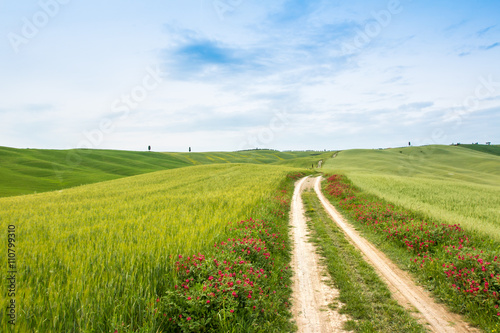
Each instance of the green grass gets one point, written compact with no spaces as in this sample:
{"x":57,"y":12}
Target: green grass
{"x":490,"y":149}
{"x":257,"y":156}
{"x":26,"y":171}
{"x":448,"y":183}
{"x":365,"y":297}
{"x":447,"y":260}
{"x":307,"y":161}
{"x":93,"y":256}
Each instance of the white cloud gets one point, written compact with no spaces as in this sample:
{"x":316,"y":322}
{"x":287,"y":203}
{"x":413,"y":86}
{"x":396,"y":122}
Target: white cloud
{"x":224,"y":79}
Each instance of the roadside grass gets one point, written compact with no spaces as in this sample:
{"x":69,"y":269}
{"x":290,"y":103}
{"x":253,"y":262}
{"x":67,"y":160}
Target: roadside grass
{"x":365,"y":297}
{"x":473,"y":206}
{"x":460,"y":267}
{"x":28,"y":171}
{"x":96,"y":256}
{"x":448,"y":183}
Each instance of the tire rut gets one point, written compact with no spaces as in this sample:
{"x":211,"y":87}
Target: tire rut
{"x":311,"y":293}
{"x":404,"y":290}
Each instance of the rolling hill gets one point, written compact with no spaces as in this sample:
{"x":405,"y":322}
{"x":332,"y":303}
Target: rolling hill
{"x":453,"y":184}
{"x":25,"y":171}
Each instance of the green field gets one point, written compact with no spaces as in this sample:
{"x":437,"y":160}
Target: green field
{"x":490,"y":149}
{"x":26,"y":171}
{"x":453,"y":184}
{"x":307,"y":161}
{"x":259,"y":156}
{"x":95,"y":255}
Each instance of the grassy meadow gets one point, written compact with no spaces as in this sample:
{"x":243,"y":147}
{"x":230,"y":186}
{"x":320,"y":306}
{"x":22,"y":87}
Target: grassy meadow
{"x":27,"y":171}
{"x":453,"y":184}
{"x":93,"y":256}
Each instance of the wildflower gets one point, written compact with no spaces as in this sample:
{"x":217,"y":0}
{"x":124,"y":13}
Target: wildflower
{"x":188,"y":318}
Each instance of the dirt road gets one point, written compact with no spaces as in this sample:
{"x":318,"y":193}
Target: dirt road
{"x":311,"y":295}
{"x":404,"y":290}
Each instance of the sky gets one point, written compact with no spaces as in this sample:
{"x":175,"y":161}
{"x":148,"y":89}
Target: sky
{"x":225,"y":75}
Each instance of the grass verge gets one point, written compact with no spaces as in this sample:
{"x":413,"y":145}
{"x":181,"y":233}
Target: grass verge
{"x":365,"y":297}
{"x":458,"y":266}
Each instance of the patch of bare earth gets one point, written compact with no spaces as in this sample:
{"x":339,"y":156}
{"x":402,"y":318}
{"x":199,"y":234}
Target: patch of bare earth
{"x":311,"y":285}
{"x":404,"y":290}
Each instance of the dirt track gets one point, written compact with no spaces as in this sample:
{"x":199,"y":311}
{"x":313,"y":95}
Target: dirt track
{"x":404,"y":290}
{"x":311,"y":295}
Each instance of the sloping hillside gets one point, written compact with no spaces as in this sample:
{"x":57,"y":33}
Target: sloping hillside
{"x":490,"y":149}
{"x":25,"y":171}
{"x":450,"y":183}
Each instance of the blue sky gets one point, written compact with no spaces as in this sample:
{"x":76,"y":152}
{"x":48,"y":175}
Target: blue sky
{"x":237,"y":74}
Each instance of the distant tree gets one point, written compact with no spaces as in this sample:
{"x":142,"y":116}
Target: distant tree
{"x":409,"y":143}
{"x":189,"y":149}
{"x":149,"y":148}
